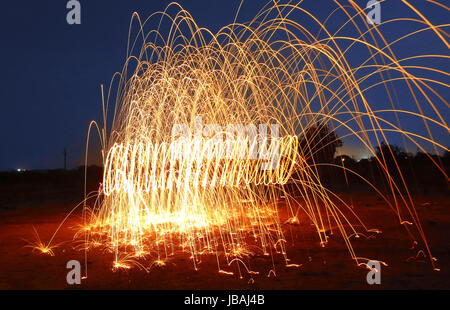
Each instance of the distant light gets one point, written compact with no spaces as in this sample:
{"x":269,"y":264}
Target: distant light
{"x":21,"y":170}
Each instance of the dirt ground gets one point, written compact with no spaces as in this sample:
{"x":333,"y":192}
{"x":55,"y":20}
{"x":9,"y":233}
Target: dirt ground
{"x":329,"y":267}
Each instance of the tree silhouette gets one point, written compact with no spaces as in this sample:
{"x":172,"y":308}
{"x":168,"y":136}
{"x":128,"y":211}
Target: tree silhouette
{"x":318,"y":144}
{"x":392,"y":154}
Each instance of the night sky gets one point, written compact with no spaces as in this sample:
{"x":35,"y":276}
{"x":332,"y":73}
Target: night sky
{"x":51,"y":71}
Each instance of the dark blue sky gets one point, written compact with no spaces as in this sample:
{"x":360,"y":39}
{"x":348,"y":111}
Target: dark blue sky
{"x":51,"y":71}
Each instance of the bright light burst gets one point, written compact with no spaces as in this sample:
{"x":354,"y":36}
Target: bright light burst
{"x":159,"y":197}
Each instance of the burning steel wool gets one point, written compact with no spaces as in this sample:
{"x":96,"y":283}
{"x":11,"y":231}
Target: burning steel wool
{"x":204,"y":136}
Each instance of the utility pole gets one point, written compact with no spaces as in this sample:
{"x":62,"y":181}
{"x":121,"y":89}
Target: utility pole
{"x":65,"y":159}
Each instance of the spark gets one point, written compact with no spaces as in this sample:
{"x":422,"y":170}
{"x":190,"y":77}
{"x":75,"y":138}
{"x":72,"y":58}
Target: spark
{"x":38,"y":245}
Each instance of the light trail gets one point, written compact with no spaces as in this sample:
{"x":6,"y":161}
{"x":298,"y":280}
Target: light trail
{"x":212,"y":193}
